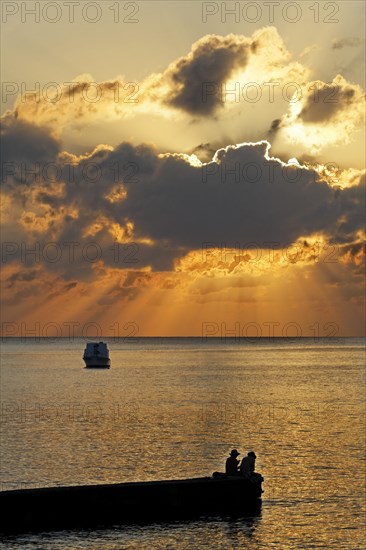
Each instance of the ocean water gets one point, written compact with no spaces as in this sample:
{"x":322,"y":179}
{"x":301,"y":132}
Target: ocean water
{"x":174,"y":408}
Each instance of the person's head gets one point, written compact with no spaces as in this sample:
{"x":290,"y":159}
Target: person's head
{"x":252,"y":454}
{"x":234,"y":453}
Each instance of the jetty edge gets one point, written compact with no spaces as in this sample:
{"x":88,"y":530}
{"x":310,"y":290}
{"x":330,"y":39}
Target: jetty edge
{"x":93,"y":506}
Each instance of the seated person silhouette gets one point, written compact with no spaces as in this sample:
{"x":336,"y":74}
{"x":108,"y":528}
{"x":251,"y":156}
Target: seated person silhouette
{"x":247,"y":467}
{"x":232,"y":464}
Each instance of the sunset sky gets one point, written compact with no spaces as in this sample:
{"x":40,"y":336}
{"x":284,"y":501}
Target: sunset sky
{"x":169,"y":169}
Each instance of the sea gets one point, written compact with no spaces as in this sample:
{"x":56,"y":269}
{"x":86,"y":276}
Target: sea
{"x":173,"y":408}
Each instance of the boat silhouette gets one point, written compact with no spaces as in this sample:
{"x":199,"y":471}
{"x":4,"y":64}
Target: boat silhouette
{"x":96,"y":356}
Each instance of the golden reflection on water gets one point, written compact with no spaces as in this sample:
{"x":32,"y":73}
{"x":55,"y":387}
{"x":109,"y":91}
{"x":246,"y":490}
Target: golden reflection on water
{"x":167,"y":411}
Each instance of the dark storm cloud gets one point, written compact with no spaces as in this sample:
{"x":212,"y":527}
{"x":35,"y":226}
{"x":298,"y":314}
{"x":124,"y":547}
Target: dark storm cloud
{"x":326,"y":100}
{"x":61,"y":292}
{"x":176,"y":205}
{"x":25,"y":150}
{"x":337,"y":102}
{"x":21,"y":276}
{"x":204,"y":151}
{"x":350,"y":41}
{"x":25,"y":142}
{"x":275,"y":126}
{"x":352,"y":204}
{"x":196,"y":78}
{"x":188,"y":205}
{"x":180,"y":206}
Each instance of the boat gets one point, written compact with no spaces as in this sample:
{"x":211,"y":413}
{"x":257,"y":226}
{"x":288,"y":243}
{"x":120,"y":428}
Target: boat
{"x":96,"y":356}
{"x":94,"y":506}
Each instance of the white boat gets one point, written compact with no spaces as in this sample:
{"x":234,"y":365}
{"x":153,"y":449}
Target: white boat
{"x":96,"y":356}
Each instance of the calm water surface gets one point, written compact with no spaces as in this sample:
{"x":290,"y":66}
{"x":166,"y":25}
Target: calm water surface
{"x":173,"y":408}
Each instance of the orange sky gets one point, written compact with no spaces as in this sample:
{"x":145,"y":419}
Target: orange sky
{"x":207,"y":182}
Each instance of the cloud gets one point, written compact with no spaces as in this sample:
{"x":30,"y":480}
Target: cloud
{"x":24,"y":142}
{"x":196,"y":82}
{"x":21,"y":276}
{"x":212,"y":60}
{"x":35,"y":284}
{"x":63,"y":290}
{"x":170,"y":205}
{"x":78,"y":102}
{"x":134,"y":225}
{"x":350,"y":42}
{"x":325,"y":114}
{"x":323,"y":102}
{"x":191,"y":85}
{"x":204,"y":151}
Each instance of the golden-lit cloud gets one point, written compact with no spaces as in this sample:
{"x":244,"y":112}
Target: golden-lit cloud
{"x":194,"y":84}
{"x":172,"y":206}
{"x":326,"y":114}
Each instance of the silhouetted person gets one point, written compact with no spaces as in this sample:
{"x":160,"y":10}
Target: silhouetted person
{"x":232,"y":464}
{"x":247,"y":467}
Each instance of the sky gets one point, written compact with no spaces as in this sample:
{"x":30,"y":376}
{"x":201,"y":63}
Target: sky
{"x":183,"y":168}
